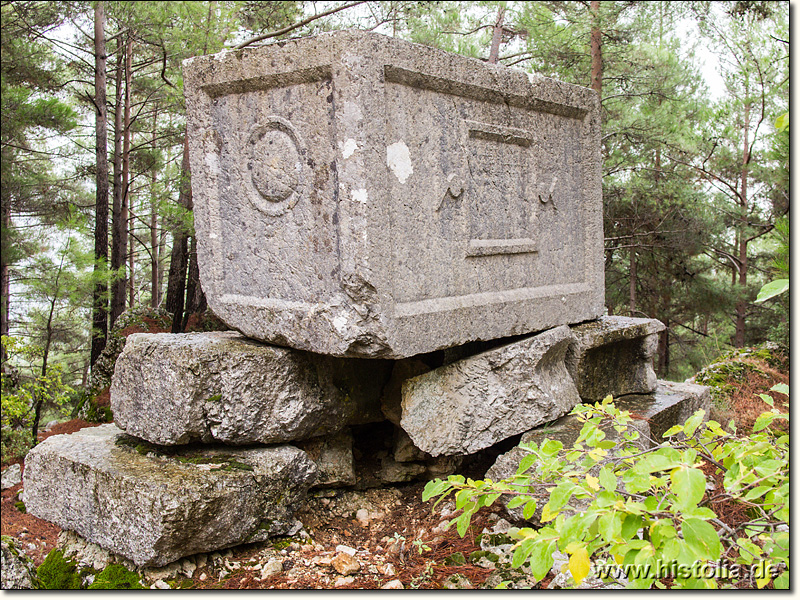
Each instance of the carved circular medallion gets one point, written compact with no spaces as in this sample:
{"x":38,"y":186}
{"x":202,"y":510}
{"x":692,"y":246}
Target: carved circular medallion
{"x":275,"y":169}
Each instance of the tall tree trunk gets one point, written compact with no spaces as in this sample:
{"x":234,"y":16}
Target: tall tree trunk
{"x":155,"y":285}
{"x":126,"y":165}
{"x":119,"y":228}
{"x":99,"y":295}
{"x":596,"y":49}
{"x":5,"y":280}
{"x":741,"y":305}
{"x":497,"y":35}
{"x":195,"y":298}
{"x":179,"y":257}
{"x":632,"y":289}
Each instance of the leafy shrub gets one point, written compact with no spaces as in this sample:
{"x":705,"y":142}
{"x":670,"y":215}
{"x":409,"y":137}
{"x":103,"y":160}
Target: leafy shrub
{"x":643,"y":510}
{"x":58,"y":573}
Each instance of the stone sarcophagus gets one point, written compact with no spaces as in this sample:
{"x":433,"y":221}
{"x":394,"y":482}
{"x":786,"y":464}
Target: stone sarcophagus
{"x":358,"y":195}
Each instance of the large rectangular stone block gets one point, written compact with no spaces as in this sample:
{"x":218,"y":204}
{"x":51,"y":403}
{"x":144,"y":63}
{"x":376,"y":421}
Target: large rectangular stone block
{"x":153,"y":508}
{"x":358,"y":195}
{"x":480,"y":400}
{"x":173,"y":389}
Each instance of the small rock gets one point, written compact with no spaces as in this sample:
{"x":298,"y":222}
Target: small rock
{"x":17,"y":570}
{"x":161,"y":585}
{"x":203,"y":576}
{"x":273,"y":567}
{"x":362,"y":516}
{"x":394,"y":584}
{"x":345,"y":564}
{"x":457,"y":582}
{"x":322,"y":561}
{"x":388,"y":570}
{"x":343,"y":581}
{"x":11,"y":477}
{"x":346,"y":549}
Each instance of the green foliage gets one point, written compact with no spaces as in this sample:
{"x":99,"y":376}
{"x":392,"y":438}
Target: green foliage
{"x":116,"y":577}
{"x":641,"y":508}
{"x":58,"y":573}
{"x":20,"y":506}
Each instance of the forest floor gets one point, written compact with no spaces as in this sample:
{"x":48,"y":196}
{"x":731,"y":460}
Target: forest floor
{"x":395,"y":537}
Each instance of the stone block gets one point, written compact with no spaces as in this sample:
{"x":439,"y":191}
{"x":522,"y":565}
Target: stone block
{"x":154,"y":508}
{"x":333,"y":456}
{"x":671,"y":404}
{"x":360,"y":195}
{"x":614,"y":355}
{"x":175,"y":389}
{"x":478,"y":401}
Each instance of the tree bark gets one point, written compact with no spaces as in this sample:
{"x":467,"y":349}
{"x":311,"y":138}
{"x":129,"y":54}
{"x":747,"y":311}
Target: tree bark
{"x":596,"y":49}
{"x":497,"y":35}
{"x":155,"y":287}
{"x":5,"y":282}
{"x":99,"y":295}
{"x":741,"y":305}
{"x":126,"y":167}
{"x":195,"y":298}
{"x":119,"y":229}
{"x":179,"y":257}
{"x":632,"y":289}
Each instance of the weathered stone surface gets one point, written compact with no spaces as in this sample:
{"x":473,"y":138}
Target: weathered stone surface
{"x":392,"y":396}
{"x":404,"y":449}
{"x":478,"y":401}
{"x":16,"y":569}
{"x":11,"y":476}
{"x":219,"y":386}
{"x":359,"y":195}
{"x":155,"y":508}
{"x":396,"y":472}
{"x":671,"y":404}
{"x":333,"y":456}
{"x":614,"y":355}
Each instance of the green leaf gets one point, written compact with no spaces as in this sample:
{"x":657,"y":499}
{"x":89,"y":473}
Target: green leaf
{"x":526,"y":463}
{"x":561,"y":495}
{"x":781,"y":388}
{"x":434,"y":488}
{"x":607,"y":479}
{"x":655,"y":462}
{"x":688,"y":485}
{"x":517,"y":501}
{"x":702,"y":538}
{"x":782,"y":122}
{"x":522,"y":552}
{"x":673,"y":430}
{"x":541,"y":558}
{"x":529,"y":510}
{"x":772,"y":289}
{"x":462,"y":523}
{"x":692,"y":422}
{"x":630,"y":526}
{"x":782,"y":581}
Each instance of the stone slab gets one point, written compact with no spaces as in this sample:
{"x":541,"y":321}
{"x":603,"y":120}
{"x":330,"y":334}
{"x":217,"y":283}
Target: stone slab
{"x":360,"y":195}
{"x":614,"y":355}
{"x":475,"y":402}
{"x":671,"y":404}
{"x":175,"y":389}
{"x":333,"y":456}
{"x":153,"y":509}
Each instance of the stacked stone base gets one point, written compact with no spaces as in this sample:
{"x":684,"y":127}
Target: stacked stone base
{"x":223,"y":437}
